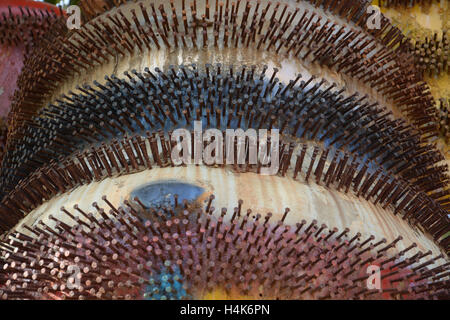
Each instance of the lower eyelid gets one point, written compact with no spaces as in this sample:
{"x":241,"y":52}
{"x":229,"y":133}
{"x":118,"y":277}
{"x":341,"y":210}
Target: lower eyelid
{"x":197,"y":184}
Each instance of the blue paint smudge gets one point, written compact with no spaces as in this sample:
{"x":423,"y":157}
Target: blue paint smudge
{"x":167,"y":285}
{"x":161,"y":194}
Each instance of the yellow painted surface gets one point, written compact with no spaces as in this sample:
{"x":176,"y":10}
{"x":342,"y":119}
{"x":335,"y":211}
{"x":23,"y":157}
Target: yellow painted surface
{"x":221,"y":294}
{"x":420,"y":22}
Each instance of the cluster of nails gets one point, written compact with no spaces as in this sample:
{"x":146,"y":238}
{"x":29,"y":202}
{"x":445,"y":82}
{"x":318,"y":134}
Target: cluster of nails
{"x":406,"y":3}
{"x":222,"y":97}
{"x":225,"y":98}
{"x":3,"y":134}
{"x":29,"y":27}
{"x":330,"y":167}
{"x":432,"y":54}
{"x":273,"y":28}
{"x":444,"y":121}
{"x":120,"y":256}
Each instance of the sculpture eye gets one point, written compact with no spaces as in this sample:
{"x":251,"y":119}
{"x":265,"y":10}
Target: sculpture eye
{"x":267,"y":150}
{"x":158,"y":194}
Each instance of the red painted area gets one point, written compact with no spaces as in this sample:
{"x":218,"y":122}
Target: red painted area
{"x":11,"y":58}
{"x":15,"y":4}
{"x":11,"y":62}
{"x":386,"y":279}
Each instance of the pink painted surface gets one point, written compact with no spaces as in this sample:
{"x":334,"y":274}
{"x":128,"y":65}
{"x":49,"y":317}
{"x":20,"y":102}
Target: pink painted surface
{"x":11,"y":62}
{"x":11,"y":58}
{"x":15,"y":4}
